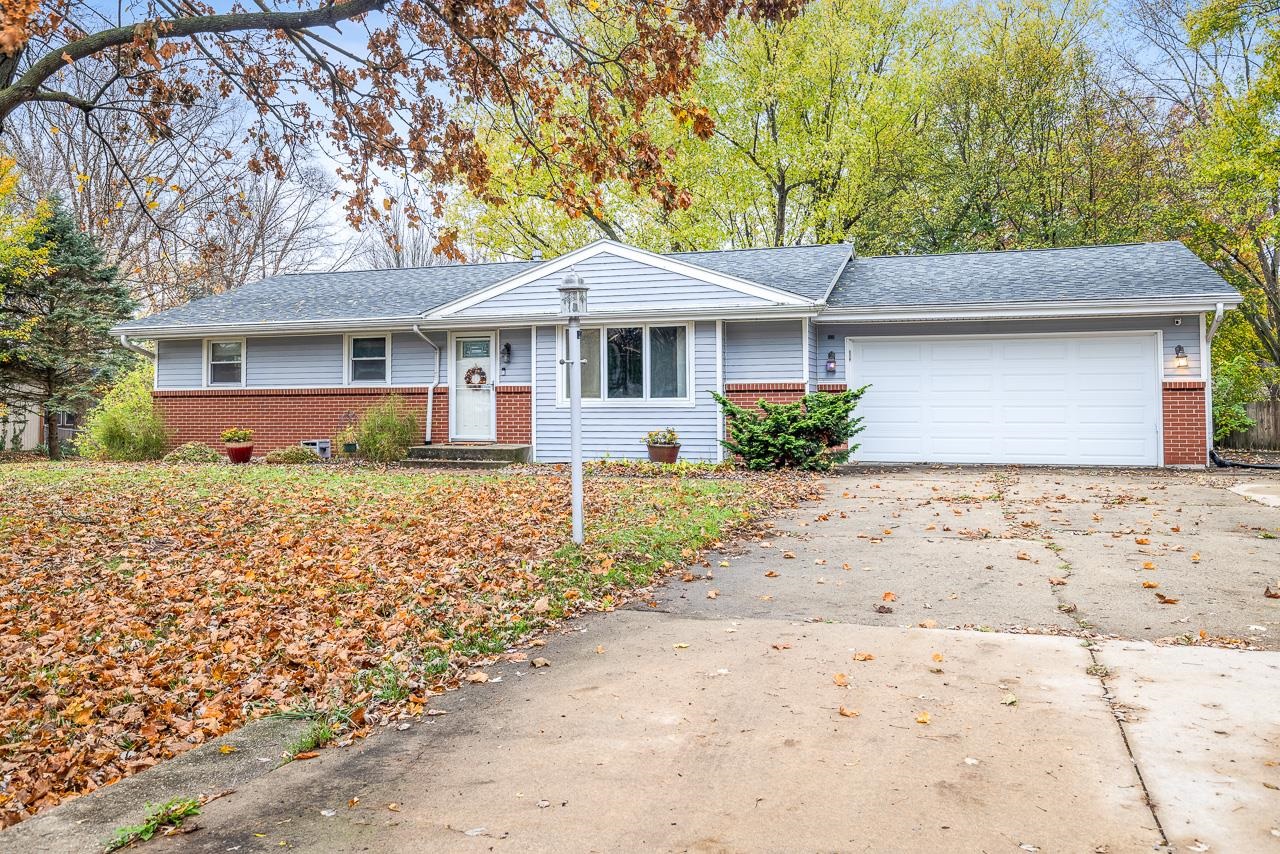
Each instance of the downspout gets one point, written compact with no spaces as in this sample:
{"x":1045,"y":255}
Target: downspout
{"x":431,"y":394}
{"x":1222,"y":462}
{"x":134,"y":348}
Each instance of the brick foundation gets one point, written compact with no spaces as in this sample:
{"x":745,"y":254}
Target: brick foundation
{"x":1185,"y":442}
{"x":282,"y":417}
{"x":515,"y":414}
{"x":749,"y":394}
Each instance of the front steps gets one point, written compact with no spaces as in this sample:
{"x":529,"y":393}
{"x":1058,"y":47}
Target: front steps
{"x":471,"y":456}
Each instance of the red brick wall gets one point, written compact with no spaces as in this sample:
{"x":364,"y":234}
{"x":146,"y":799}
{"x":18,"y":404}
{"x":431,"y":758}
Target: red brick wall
{"x":1185,"y":442}
{"x":749,"y":394}
{"x":515,"y":414}
{"x":280,"y":417}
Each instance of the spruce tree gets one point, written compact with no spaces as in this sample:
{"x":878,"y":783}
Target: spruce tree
{"x":56,"y":350}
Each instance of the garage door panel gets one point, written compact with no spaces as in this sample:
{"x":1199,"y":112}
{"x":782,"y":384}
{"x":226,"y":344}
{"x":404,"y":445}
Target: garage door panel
{"x":1029,"y":399}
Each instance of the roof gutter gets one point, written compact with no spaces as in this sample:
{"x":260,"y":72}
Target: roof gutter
{"x":1061,"y":308}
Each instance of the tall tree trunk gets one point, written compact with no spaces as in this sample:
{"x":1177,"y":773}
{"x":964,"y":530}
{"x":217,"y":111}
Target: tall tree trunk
{"x":51,"y":434}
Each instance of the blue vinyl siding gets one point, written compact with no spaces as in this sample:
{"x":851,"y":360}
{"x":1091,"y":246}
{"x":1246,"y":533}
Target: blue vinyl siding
{"x":616,"y":284}
{"x":616,"y":431}
{"x":413,"y":361}
{"x":830,"y":336}
{"x":520,"y":371}
{"x":293,"y":360}
{"x":764,"y":351}
{"x":179,"y":363}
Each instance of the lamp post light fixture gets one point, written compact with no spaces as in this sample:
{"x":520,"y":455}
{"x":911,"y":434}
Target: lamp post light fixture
{"x":573,"y":304}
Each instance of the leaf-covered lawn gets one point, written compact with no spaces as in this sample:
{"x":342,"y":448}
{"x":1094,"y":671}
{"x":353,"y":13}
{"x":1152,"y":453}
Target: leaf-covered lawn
{"x":146,"y":609}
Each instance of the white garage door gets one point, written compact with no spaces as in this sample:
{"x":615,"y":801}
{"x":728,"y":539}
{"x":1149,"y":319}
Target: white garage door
{"x":1077,"y":400}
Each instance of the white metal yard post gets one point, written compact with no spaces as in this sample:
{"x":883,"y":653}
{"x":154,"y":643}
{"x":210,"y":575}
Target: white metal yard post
{"x":573,"y":304}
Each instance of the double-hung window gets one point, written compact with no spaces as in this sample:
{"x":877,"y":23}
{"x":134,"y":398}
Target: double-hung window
{"x":368,"y":359}
{"x":633,"y":363}
{"x":226,"y":362}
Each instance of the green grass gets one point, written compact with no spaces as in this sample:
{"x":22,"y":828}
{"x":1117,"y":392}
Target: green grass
{"x":169,"y":814}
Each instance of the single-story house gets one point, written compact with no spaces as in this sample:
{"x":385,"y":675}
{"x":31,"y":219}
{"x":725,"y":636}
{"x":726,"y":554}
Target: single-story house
{"x":1089,"y":355}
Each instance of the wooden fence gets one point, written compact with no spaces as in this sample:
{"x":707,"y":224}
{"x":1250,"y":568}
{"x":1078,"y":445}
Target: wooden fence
{"x":1263,"y":435}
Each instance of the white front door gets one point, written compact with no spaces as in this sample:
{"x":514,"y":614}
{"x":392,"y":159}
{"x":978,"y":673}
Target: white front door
{"x":473,"y":394}
{"x":1069,"y":399}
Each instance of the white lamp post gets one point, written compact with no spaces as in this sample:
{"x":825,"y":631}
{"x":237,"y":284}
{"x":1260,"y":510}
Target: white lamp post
{"x":573,"y":304}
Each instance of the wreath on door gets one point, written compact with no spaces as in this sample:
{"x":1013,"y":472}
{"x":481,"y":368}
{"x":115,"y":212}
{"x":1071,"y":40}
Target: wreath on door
{"x":475,"y":376}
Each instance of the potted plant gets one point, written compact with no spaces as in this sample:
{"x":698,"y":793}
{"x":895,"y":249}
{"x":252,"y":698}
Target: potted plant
{"x":347,"y":439}
{"x":239,"y":444}
{"x":664,"y":445}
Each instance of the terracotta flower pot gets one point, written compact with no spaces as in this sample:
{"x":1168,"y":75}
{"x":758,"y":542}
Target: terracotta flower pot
{"x":239,"y":452}
{"x":663,"y":453}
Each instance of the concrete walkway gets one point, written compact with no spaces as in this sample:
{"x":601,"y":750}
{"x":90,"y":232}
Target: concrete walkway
{"x":701,"y":722}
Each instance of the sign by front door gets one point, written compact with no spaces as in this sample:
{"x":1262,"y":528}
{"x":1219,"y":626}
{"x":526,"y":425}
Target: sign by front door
{"x":473,"y":393}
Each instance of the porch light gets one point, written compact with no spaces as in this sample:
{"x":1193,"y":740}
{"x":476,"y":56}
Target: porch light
{"x":1179,"y":356}
{"x":831,"y":361}
{"x":573,"y":295}
{"x":505,"y":352}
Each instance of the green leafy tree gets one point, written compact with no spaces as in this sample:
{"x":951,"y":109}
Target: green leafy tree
{"x":55,"y":348}
{"x":126,"y":425}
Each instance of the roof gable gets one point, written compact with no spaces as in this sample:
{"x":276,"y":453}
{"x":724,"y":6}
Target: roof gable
{"x":622,"y":280}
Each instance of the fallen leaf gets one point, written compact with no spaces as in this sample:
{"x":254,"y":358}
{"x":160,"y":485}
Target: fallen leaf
{"x":306,"y":754}
{"x":1195,"y":557}
{"x":849,"y":713}
{"x":1009,"y":700}
{"x":540,"y":662}
{"x":1150,"y":585}
{"x":922,"y":718}
{"x":1057,"y":582}
{"x":937,"y":656}
{"x":846,"y":567}
{"x":680,"y":646}
{"x":841,"y":680}
{"x":1165,"y":600}
{"x":1143,"y":541}
{"x":1148,"y":565}
{"x":863,"y":656}
{"x":782,"y":646}
{"x":1023,"y":556}
{"x":1269,"y":593}
{"x":889,"y":596}
{"x":393,"y":807}
{"x":227,"y":748}
{"x":599,"y":650}
{"x":928,"y":624}
{"x":884,"y":609}
{"x":789,"y":555}
{"x":771,"y":574}
{"x":477,"y":676}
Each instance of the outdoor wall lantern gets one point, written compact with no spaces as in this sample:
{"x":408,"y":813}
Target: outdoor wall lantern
{"x":1179,"y":356}
{"x":506,"y":352}
{"x":831,"y":361}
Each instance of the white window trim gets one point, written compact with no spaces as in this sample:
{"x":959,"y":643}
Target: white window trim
{"x":646,"y":402}
{"x":206,"y":345}
{"x":346,"y":359}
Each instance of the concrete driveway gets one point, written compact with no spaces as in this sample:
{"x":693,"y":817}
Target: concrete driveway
{"x":783,"y":701}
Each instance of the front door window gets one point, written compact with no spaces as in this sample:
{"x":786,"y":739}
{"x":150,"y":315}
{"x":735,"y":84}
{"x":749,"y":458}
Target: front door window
{"x":473,"y":388}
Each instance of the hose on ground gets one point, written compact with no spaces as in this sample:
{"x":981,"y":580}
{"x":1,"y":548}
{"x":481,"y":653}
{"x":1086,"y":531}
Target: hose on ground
{"x":1224,"y":463}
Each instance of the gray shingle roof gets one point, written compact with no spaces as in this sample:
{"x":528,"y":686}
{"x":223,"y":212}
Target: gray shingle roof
{"x":806,"y":271}
{"x":1125,"y":271}
{"x":355,"y":295}
{"x":1129,"y":271}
